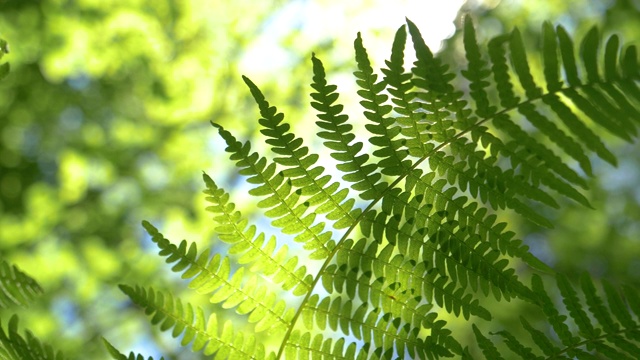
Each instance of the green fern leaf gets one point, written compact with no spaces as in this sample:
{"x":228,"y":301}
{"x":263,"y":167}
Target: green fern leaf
{"x":298,"y":162}
{"x":593,"y":112}
{"x":339,"y":138}
{"x":214,"y":276}
{"x":516,"y":346}
{"x":553,"y":161}
{"x":589,"y":53}
{"x":570,"y":299}
{"x":618,"y":307}
{"x":500,"y":71}
{"x":14,"y":346}
{"x":380,"y":283}
{"x":611,"y":58}
{"x":233,"y":229}
{"x":568,"y":57}
{"x":556,"y":320}
{"x":476,"y":72}
{"x":509,"y":100}
{"x":318,"y":347}
{"x":204,"y":335}
{"x":281,"y":201}
{"x":16,"y":287}
{"x":553,"y":85}
{"x":521,"y":65}
{"x":551,"y":66}
{"x":599,"y":335}
{"x":392,"y":158}
{"x":541,"y":340}
{"x":557,"y":136}
{"x":596,"y":306}
{"x":117,"y":355}
{"x":488,"y":348}
{"x":414,"y":129}
{"x":483,"y":178}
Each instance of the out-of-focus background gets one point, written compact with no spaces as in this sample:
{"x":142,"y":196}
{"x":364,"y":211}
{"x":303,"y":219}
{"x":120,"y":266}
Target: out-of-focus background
{"x":104,"y":122}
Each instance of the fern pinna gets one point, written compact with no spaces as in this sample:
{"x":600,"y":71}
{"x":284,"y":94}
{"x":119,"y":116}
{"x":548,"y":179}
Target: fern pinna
{"x":440,"y":166}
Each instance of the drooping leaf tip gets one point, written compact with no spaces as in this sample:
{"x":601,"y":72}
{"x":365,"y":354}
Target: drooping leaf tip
{"x":207,"y":179}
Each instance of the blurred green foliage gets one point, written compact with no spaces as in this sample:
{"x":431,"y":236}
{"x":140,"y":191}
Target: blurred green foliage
{"x":104,"y":123}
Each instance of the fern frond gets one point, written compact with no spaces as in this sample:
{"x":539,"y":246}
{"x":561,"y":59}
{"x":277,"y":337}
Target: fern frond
{"x":531,"y":146}
{"x":598,"y":107}
{"x":459,"y":248}
{"x":619,"y":309}
{"x":477,"y":72}
{"x":339,"y":137}
{"x":203,"y":333}
{"x":324,"y":198}
{"x":414,"y":129}
{"x":282,"y":200}
{"x":599,"y":99}
{"x":514,"y":345}
{"x":16,"y":287}
{"x":396,"y":284}
{"x":233,"y":229}
{"x":427,"y":238}
{"x":468,"y":168}
{"x":14,"y":346}
{"x":571,"y":301}
{"x":434,"y":198}
{"x":383,"y":128}
{"x":214,"y":276}
{"x":556,"y":320}
{"x":117,"y":355}
{"x":432,"y":76}
{"x":509,"y":100}
{"x":532,"y":91}
{"x":381,"y":333}
{"x":488,"y":348}
{"x":599,"y":334}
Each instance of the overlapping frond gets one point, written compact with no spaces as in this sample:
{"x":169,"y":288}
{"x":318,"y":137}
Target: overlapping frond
{"x":214,"y":276}
{"x":589,"y":327}
{"x":323,"y":198}
{"x":396,"y":283}
{"x":447,"y":232}
{"x":251,"y":248}
{"x":600,"y":101}
{"x":16,"y":287}
{"x":283,"y":201}
{"x":203,"y":333}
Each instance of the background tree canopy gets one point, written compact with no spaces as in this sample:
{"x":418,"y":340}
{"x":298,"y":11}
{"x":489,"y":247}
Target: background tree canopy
{"x":104,"y":122}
